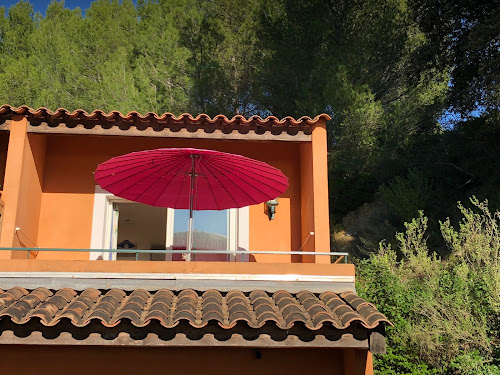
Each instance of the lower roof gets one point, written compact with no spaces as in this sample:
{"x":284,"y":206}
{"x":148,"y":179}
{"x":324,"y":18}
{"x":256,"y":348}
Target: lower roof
{"x":189,"y":318}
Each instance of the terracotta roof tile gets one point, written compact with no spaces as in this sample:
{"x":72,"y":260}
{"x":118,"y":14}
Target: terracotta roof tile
{"x":62,"y":114}
{"x":169,"y":308}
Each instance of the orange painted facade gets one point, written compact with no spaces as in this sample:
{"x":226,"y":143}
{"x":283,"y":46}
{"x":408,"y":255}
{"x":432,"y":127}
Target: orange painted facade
{"x":49,"y":192}
{"x":216,"y":361}
{"x":254,"y":268}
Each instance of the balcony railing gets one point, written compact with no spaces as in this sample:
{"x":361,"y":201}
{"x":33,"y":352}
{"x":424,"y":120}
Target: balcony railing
{"x":335,"y":257}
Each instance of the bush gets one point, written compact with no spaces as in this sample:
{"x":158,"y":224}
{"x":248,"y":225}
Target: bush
{"x":407,"y":195}
{"x":446,"y":313}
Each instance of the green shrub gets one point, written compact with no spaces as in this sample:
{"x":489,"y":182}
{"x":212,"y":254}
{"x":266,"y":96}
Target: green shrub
{"x":446,"y":312}
{"x":407,"y":195}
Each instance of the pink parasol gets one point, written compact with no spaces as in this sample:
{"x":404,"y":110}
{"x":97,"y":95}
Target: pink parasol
{"x":188,"y":178}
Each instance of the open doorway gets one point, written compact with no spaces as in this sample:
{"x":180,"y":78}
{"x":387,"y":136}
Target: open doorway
{"x":116,"y":220}
{"x":139,"y":226}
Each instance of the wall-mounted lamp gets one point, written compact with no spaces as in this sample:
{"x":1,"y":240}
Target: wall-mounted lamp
{"x":271,"y":208}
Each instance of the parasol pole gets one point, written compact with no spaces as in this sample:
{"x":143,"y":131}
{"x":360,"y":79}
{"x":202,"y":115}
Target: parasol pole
{"x":191,"y":199}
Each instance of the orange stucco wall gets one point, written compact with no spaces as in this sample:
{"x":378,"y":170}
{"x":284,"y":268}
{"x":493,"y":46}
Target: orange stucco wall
{"x":307,"y":200}
{"x":22,"y":189}
{"x":40,"y":265}
{"x":12,"y":179}
{"x":320,"y":191}
{"x":30,"y":190}
{"x":218,"y":361}
{"x":68,"y":190}
{"x":315,"y":227}
{"x":49,"y":190}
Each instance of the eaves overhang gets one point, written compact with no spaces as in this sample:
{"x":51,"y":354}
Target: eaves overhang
{"x":114,"y":123}
{"x":190,"y":318}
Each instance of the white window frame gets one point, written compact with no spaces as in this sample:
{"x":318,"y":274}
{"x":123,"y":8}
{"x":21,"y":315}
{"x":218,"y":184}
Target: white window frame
{"x":103,"y":216}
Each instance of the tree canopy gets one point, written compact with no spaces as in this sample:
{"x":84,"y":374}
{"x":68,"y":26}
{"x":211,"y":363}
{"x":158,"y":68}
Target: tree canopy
{"x":411,"y":85}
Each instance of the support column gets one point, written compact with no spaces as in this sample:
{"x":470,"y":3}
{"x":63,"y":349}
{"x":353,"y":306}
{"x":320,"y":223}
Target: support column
{"x":12,"y":182}
{"x":314,"y":195}
{"x":320,"y":179}
{"x":22,"y":188}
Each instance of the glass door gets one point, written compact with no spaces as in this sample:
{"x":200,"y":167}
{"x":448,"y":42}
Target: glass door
{"x":210,"y":232}
{"x":132,"y":225}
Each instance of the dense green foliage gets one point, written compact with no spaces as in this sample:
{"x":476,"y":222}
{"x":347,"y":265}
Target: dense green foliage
{"x":465,"y":35}
{"x":412,"y":87}
{"x":446,"y":314}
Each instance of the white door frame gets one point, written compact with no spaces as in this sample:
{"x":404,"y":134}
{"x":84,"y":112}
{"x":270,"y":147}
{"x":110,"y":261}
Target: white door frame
{"x":102,"y":222}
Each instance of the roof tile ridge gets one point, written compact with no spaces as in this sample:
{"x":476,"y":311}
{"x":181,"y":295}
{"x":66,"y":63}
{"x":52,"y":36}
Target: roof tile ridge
{"x":65,"y":310}
{"x":23,"y":110}
{"x":238,"y":297}
{"x":251,"y":311}
{"x":71,"y":291}
{"x":282,"y":322}
{"x":198,"y":322}
{"x":113,"y":320}
{"x":32,"y":300}
{"x":268,"y":300}
{"x":225,"y":312}
{"x":311,"y":120}
{"x":382,"y":318}
{"x":90,"y":311}
{"x":309,"y":323}
{"x":362,"y":319}
{"x":317,"y":302}
{"x":173,"y":309}
{"x":146,"y":309}
{"x":337,"y":322}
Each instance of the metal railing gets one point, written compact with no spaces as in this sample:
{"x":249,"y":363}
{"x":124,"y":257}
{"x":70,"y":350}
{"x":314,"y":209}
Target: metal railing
{"x":336,"y":257}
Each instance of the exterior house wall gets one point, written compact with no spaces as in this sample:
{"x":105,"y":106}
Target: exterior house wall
{"x":68,"y":191}
{"x":49,"y":190}
{"x":75,"y":266}
{"x":30,"y":189}
{"x":217,"y":361}
{"x":49,"y":194}
{"x":23,"y":189}
{"x":12,"y":179}
{"x":315,"y":229}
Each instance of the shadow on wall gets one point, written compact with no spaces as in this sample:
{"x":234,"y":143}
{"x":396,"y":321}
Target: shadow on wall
{"x":71,"y":161}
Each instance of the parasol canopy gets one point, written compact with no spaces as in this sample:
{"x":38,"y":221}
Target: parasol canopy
{"x":163,"y":178}
{"x":188,"y":178}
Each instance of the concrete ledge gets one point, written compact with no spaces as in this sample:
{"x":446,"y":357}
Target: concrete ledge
{"x":79,"y":275}
{"x":250,"y":268}
{"x":153,"y":282}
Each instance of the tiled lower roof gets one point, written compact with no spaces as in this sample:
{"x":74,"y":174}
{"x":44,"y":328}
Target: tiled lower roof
{"x":282,"y":309}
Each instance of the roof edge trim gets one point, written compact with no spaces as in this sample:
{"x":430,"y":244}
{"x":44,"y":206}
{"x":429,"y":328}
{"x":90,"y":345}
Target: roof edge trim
{"x":181,"y":340}
{"x":62,"y":113}
{"x":154,"y":281}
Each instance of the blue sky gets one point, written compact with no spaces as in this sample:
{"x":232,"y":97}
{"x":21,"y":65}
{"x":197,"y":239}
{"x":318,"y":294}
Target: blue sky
{"x":41,"y":5}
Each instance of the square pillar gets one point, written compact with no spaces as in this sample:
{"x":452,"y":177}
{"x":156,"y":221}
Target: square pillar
{"x":22,"y":192}
{"x":315,"y":220}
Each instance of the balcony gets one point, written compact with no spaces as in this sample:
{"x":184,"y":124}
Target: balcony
{"x":239,"y":271}
{"x":195,"y":255}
